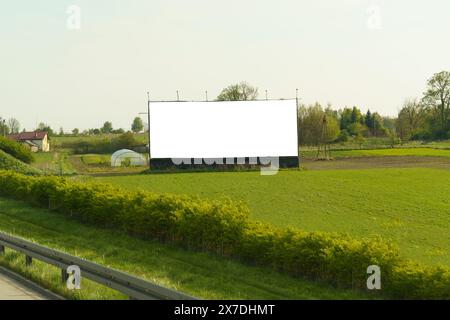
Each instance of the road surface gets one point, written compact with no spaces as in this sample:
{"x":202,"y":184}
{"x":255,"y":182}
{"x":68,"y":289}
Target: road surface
{"x":11,"y":289}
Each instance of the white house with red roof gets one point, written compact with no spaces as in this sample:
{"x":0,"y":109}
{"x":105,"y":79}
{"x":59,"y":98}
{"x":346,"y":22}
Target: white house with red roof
{"x":36,"y":140}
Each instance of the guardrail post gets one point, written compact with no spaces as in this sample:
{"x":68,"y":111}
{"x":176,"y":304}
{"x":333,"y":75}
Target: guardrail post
{"x":2,"y":249}
{"x":64,"y":275}
{"x":28,"y":260}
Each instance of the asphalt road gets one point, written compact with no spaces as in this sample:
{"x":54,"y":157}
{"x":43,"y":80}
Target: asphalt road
{"x":11,"y":289}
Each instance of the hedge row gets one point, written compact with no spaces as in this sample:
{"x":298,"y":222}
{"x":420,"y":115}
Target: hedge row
{"x":223,"y":227}
{"x":8,"y":162}
{"x":16,"y":150}
{"x":102,"y":146}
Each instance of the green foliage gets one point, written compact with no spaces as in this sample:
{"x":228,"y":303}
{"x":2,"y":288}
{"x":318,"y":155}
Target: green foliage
{"x":126,"y":163}
{"x":8,"y":162}
{"x":16,"y":150}
{"x":107,"y":127}
{"x":103,"y":145}
{"x":223,"y":227}
{"x":45,"y":127}
{"x":419,"y":281}
{"x":370,"y":124}
{"x":437,"y":99}
{"x":312,"y":122}
{"x":411,"y":119}
{"x":137,"y":125}
{"x":429,"y":117}
{"x":343,"y":136}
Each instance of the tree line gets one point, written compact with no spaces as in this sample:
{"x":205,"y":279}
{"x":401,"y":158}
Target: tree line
{"x":12,"y":126}
{"x":427,"y":117}
{"x":424,"y":118}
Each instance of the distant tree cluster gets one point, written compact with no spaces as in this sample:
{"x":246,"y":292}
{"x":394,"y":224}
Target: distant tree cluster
{"x":103,"y":145}
{"x":419,"y":119}
{"x":429,"y":117}
{"x":319,"y":125}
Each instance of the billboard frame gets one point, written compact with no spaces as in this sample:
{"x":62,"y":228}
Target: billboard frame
{"x":288,"y":160}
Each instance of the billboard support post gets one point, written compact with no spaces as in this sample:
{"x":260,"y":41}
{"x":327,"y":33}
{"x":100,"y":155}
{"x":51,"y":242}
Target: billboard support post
{"x":149,"y":149}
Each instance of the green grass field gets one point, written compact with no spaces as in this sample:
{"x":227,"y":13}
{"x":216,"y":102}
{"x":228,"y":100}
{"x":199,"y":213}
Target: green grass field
{"x":198,"y":274}
{"x":401,"y":152}
{"x":55,"y":162}
{"x":96,"y":159}
{"x":409,"y":206}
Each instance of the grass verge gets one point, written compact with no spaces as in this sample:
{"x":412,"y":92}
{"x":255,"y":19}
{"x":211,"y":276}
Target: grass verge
{"x":197,"y":274}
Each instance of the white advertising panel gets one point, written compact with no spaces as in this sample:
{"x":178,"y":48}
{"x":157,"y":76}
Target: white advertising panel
{"x":223,"y":129}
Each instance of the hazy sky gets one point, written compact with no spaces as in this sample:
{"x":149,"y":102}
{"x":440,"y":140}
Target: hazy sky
{"x":370,"y":53}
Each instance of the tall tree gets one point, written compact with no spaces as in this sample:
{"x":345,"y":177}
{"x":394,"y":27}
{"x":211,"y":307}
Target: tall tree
{"x":311,"y":126}
{"x":107,"y":127}
{"x":437,"y":97}
{"x":137,"y":125}
{"x":378,"y":128}
{"x":356,"y":116}
{"x":45,"y":127}
{"x":4,"y":129}
{"x":238,"y":92}
{"x":368,"y":120}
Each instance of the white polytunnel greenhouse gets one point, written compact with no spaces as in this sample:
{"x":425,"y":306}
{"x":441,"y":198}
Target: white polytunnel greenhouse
{"x":127,"y":157}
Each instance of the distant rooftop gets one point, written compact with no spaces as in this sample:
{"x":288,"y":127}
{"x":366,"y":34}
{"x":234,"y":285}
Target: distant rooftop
{"x":23,"y":136}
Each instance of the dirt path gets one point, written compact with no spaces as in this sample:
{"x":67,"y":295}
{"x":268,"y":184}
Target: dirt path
{"x":378,"y":162}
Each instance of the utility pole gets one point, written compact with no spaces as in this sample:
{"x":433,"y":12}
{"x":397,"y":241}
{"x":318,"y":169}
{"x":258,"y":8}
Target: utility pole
{"x":206,"y":94}
{"x":178,"y":96}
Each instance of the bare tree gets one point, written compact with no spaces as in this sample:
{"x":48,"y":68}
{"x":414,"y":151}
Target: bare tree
{"x":410,"y":118}
{"x":14,"y":125}
{"x":238,"y":92}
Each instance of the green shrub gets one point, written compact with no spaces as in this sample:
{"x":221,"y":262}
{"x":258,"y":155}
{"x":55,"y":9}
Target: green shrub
{"x":224,"y":227}
{"x":8,"y":162}
{"x":16,"y":150}
{"x":415,"y":281}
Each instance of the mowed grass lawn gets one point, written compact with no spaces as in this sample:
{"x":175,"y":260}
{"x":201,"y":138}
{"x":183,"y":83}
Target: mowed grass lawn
{"x":410,"y":206}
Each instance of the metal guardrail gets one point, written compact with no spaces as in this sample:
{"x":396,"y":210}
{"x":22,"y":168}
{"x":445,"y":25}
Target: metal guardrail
{"x":132,"y":286}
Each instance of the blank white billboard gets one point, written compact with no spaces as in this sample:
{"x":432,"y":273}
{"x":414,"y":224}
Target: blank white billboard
{"x":223,"y":129}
